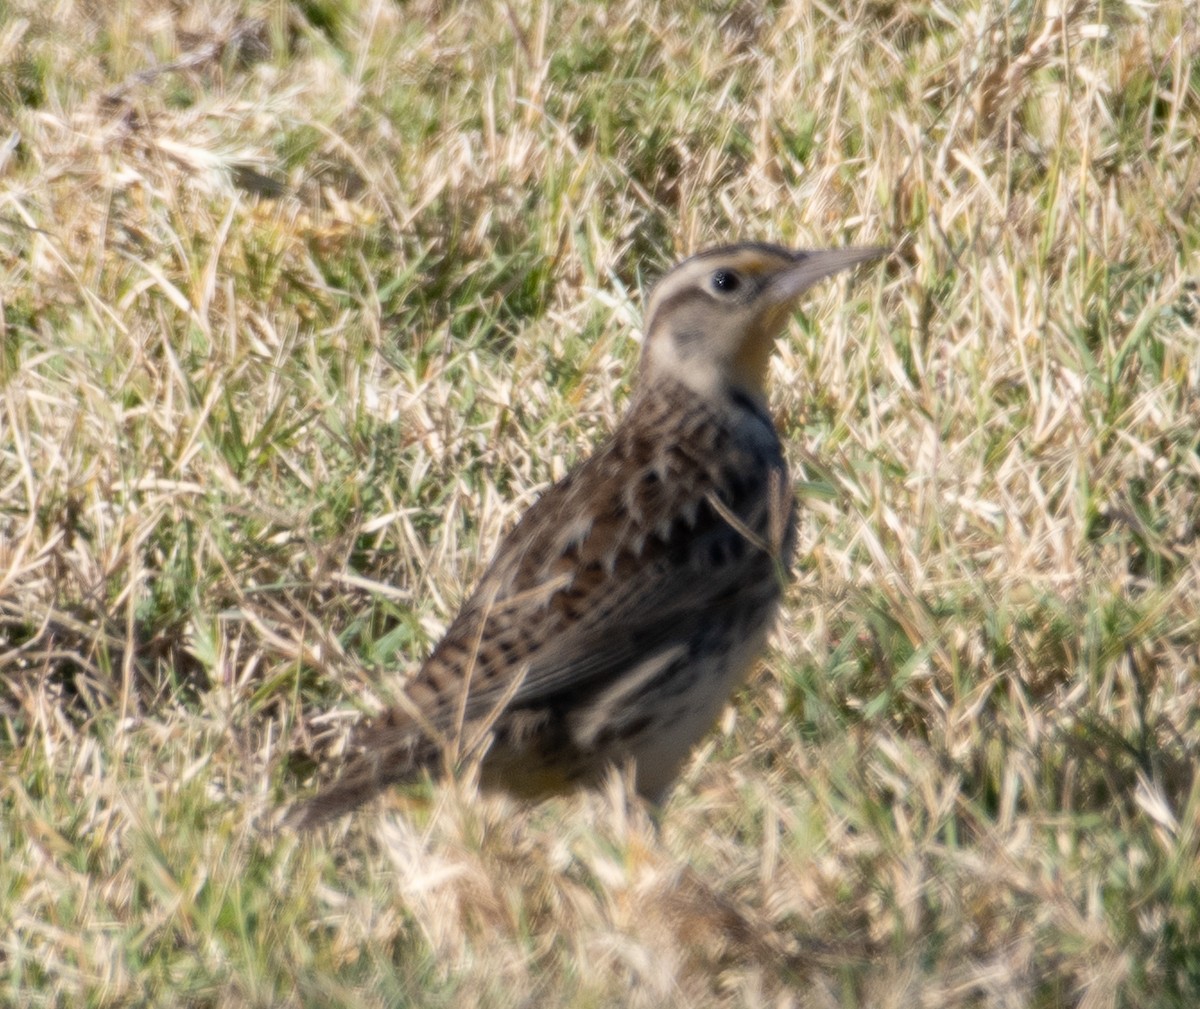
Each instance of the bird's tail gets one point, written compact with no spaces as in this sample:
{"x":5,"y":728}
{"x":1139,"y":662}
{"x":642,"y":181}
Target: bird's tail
{"x":379,"y":763}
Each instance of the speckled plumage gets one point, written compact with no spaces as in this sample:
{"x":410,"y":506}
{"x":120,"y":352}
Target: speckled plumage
{"x":620,"y":613}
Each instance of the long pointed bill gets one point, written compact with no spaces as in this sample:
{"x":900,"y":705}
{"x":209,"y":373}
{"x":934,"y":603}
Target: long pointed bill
{"x":810,"y":267}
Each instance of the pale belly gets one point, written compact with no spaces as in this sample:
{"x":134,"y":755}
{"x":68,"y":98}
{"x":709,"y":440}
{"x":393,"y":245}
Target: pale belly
{"x":655,"y":717}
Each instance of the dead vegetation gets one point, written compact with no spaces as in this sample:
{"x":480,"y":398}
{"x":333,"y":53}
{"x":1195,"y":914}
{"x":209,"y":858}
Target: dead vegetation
{"x":301,"y":305}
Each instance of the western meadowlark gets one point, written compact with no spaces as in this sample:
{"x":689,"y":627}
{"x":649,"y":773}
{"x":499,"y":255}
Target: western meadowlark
{"x":632,"y":597}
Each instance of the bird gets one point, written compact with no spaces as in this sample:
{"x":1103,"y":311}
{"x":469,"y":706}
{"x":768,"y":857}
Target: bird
{"x":634,"y":595}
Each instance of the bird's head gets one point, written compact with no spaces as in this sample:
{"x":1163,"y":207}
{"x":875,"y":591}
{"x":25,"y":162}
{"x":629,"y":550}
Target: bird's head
{"x":711,"y":322}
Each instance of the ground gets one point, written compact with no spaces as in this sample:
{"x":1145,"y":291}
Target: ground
{"x":300,"y":306}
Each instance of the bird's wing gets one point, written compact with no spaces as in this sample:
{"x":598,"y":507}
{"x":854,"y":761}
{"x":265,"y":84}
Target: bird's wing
{"x":607,"y":568}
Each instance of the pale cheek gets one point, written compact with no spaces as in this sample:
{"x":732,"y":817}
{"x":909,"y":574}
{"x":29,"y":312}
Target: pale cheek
{"x":686,"y":364}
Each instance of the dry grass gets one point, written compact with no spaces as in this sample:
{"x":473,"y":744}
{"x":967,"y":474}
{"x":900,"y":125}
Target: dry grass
{"x":302,"y":304}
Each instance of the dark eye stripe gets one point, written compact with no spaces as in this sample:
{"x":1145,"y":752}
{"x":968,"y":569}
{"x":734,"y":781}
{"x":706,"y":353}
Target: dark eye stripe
{"x":673,"y":304}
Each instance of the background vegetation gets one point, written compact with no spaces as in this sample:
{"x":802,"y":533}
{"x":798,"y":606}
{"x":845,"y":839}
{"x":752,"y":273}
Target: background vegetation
{"x":302,"y":303}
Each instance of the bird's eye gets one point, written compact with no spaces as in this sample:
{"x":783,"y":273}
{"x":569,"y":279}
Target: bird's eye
{"x":726,"y":281}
